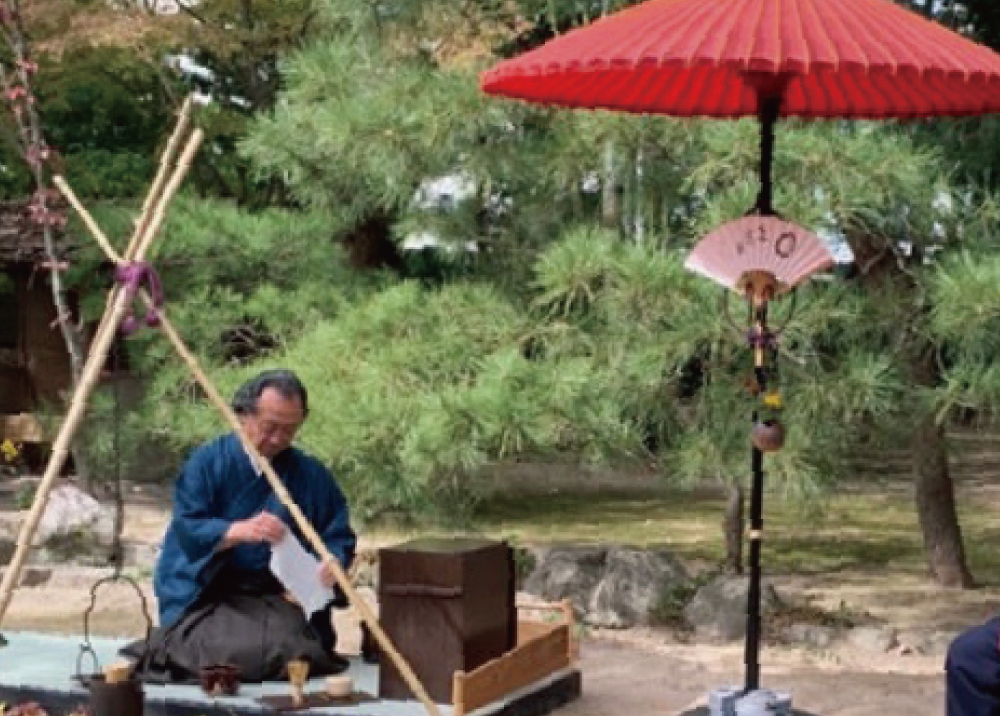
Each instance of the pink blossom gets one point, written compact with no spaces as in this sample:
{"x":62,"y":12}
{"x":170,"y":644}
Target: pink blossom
{"x":37,"y":153}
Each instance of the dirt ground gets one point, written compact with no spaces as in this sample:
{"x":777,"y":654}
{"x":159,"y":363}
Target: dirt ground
{"x":644,"y":670}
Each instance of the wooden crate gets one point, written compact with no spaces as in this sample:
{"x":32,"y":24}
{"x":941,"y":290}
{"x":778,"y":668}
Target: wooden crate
{"x":543,"y":648}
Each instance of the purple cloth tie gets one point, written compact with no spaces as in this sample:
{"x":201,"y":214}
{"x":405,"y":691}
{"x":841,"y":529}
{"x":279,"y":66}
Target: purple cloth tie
{"x":132,"y":276}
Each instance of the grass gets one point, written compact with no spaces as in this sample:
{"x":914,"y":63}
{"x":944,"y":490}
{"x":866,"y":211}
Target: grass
{"x":869,"y":529}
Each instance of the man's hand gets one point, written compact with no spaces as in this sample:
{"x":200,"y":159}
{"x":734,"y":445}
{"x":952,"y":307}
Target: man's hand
{"x":263,"y":527}
{"x":326,"y":575}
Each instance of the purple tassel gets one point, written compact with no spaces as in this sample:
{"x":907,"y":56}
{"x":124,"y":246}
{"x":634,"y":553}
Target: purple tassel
{"x":132,"y":276}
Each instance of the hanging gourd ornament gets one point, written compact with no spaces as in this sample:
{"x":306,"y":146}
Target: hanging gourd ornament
{"x":768,"y":433}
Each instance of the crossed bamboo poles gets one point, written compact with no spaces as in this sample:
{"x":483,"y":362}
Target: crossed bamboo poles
{"x":163,"y":189}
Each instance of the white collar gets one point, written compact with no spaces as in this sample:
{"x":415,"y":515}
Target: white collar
{"x":253,"y":463}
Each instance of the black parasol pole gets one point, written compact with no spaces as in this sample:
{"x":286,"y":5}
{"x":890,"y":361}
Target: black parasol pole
{"x":769,"y":107}
{"x":752,"y":651}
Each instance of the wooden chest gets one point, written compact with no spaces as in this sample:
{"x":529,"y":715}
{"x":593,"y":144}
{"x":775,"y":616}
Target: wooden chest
{"x":447,"y":605}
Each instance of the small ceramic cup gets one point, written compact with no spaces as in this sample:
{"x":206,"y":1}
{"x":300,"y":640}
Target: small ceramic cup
{"x":339,"y":686}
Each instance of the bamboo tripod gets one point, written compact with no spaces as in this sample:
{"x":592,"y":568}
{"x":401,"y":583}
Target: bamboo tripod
{"x":168,"y":179}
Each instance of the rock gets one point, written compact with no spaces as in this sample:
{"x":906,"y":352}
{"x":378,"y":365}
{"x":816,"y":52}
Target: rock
{"x":631,"y":585}
{"x":69,"y":510}
{"x":718,"y":611}
{"x":32,"y":576}
{"x":814,"y":635}
{"x":930,"y":643}
{"x":571,"y":572}
{"x":612,"y":586}
{"x":74,"y":525}
{"x":876,"y":639}
{"x":35,"y":576}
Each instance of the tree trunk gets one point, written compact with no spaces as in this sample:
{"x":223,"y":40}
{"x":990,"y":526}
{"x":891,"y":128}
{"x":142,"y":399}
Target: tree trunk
{"x":638,"y":222}
{"x":609,"y":188}
{"x":933,"y":487}
{"x":932,"y":484}
{"x":935,"y":495}
{"x":733,"y":526}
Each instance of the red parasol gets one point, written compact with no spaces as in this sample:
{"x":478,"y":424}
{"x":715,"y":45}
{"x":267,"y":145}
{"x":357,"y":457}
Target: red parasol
{"x":832,"y":58}
{"x":770,"y":58}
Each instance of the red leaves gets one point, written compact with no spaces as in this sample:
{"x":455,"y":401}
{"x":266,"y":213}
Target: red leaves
{"x":40,"y":211}
{"x":14,"y":93}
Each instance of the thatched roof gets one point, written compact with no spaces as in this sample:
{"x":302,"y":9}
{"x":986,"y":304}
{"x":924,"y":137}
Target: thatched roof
{"x":21,"y":240}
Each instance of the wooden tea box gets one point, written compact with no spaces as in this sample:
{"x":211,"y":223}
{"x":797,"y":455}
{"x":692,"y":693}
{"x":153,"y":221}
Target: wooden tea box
{"x":447,"y":605}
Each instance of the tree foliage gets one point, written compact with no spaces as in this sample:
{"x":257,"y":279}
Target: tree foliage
{"x":572,"y":330}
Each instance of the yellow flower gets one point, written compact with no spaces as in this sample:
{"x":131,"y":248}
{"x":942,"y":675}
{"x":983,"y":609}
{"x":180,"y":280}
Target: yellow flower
{"x":772,"y":400}
{"x":9,"y":450}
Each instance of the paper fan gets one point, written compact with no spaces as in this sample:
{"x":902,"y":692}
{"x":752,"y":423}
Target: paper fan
{"x":759,"y":244}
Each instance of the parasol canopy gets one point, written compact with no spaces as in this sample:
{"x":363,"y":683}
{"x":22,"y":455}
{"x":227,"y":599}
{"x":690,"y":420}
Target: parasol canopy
{"x":824,"y":58}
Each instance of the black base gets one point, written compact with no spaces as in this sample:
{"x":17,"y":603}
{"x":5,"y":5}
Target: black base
{"x":703,"y":711}
{"x":559,"y":692}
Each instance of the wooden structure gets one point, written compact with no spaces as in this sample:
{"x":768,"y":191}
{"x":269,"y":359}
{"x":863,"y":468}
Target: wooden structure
{"x":543,"y":649}
{"x":449,"y":607}
{"x":34,"y":365}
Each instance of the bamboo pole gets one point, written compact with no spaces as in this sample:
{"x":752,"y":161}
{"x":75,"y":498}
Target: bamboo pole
{"x":88,"y":381}
{"x":152,"y":196}
{"x":355,"y":599}
{"x":88,"y":220}
{"x":159,"y":211}
{"x":183,"y":120}
{"x":151,"y":225}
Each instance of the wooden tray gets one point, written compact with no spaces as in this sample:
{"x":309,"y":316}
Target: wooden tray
{"x":313,"y":699}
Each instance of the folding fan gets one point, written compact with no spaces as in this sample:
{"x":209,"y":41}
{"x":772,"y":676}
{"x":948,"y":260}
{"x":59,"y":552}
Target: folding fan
{"x":741,"y":253}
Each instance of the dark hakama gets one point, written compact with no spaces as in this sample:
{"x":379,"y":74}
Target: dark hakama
{"x":243,"y":620}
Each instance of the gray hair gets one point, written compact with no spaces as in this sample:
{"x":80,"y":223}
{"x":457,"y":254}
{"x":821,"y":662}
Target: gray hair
{"x":284,"y":381}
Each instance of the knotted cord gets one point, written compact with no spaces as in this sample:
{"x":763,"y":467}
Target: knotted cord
{"x":132,"y":276}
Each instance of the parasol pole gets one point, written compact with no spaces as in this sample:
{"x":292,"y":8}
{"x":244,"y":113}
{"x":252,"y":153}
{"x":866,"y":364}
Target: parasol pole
{"x":769,"y":96}
{"x":756,"y":535}
{"x":769,"y":107}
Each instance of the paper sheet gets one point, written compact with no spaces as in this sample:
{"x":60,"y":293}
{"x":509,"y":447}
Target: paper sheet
{"x":299,"y":572}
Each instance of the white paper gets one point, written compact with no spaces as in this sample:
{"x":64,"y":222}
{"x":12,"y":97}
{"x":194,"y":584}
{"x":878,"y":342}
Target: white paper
{"x":299,"y":572}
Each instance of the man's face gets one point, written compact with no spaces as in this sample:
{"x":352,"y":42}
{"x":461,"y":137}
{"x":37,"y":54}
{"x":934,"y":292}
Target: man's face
{"x":272,"y":427}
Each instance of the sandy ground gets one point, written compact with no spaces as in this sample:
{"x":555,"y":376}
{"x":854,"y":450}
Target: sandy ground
{"x":640,"y":671}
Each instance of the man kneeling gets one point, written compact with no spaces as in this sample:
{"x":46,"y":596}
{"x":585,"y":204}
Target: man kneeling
{"x":218,"y":601}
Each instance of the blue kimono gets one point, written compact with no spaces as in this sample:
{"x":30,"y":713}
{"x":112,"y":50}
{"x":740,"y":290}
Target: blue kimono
{"x":219,"y":485}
